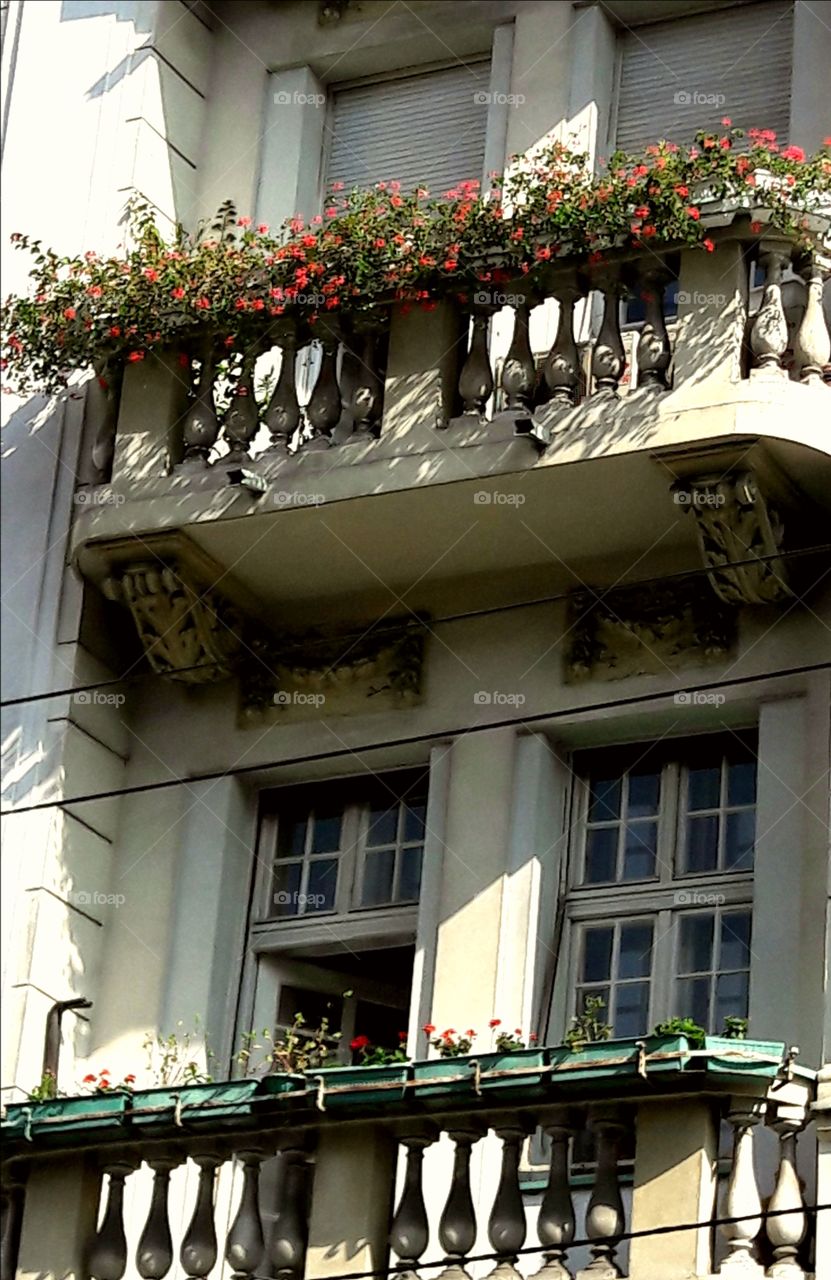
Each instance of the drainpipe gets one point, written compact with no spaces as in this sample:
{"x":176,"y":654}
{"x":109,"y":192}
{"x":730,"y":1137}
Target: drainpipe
{"x":52,"y":1039}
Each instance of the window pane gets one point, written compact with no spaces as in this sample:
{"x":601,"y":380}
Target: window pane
{"x":601,"y":854}
{"x":604,"y":804}
{"x":378,"y":873}
{"x":739,"y":839}
{"x":410,"y":878}
{"x":291,"y":837}
{"x":322,"y":885}
{"x":731,"y":997}
{"x":644,"y":790}
{"x":702,"y":844}
{"x":703,"y":788}
{"x":631,"y":1008}
{"x":735,"y":940}
{"x":383,"y":826}
{"x":639,"y":850}
{"x":695,"y":949}
{"x":286,"y":892}
{"x":414,"y":818}
{"x":326,"y":834}
{"x":741,"y":782}
{"x":693,"y":1000}
{"x":597,"y":955}
{"x":635,"y":959}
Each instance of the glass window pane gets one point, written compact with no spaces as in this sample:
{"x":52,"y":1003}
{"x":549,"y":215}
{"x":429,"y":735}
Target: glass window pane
{"x":702,"y":844}
{"x":409,"y":881}
{"x":735,"y":940}
{"x":383,"y":826}
{"x":322,"y":885}
{"x":741,"y":782}
{"x":739,"y":838}
{"x":644,"y":791}
{"x":601,"y":854}
{"x":692,"y":1000}
{"x":291,"y":837}
{"x":695,"y":944}
{"x":639,"y":850}
{"x":604,"y":803}
{"x":703,"y":788}
{"x":631,"y":1014}
{"x":414,"y":819}
{"x":285,"y":895}
{"x":597,"y":955}
{"x":378,"y":873}
{"x":326,"y":833}
{"x":635,"y":959}
{"x":731,"y":998}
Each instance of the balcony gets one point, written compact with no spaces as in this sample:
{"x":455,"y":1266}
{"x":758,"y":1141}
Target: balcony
{"x":296,"y":1176}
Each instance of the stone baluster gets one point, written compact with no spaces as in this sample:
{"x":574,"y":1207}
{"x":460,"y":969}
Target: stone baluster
{"x":742,"y":1200}
{"x":290,"y":1230}
{"x":769,"y":330}
{"x":609,"y":357}
{"x":476,"y":377}
{"x":367,"y":394}
{"x":812,"y":346}
{"x":198,"y":1253}
{"x":555,"y":1224}
{"x":457,"y":1226}
{"x":324,"y":408}
{"x":245,"y":1245}
{"x":154,"y":1255}
{"x":200,"y":426}
{"x":282,"y":413}
{"x":506,"y":1225}
{"x":410,"y":1232}
{"x":562,"y":365}
{"x":787,"y":1231}
{"x":653,"y":352}
{"x":12,"y":1202}
{"x":605,"y":1221}
{"x":107,"y":1257}
{"x":519,"y":371}
{"x":242,"y":417}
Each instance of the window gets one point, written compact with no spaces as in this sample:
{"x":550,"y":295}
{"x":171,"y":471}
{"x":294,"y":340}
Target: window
{"x":344,"y":847}
{"x":422,"y":128}
{"x":688,"y":72}
{"x":660,"y":895}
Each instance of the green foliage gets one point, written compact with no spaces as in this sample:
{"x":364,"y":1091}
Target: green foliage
{"x":735,"y":1028}
{"x":45,"y":1090}
{"x":294,"y":1049}
{"x":174,"y":1059}
{"x":682,"y":1027}
{"x":588,"y":1027}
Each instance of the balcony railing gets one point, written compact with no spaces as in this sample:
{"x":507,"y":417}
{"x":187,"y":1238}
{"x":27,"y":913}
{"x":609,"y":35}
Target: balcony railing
{"x":365,"y":377}
{"x":666,"y":1101}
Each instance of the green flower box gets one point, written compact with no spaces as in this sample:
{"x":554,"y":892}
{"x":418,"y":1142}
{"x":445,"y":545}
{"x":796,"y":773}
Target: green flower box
{"x":277,"y":1085}
{"x":382,"y":1083}
{"x":445,"y":1077}
{"x":525,"y":1068}
{"x":742,"y":1057}
{"x":64,"y":1115}
{"x":197,"y":1103}
{"x":611,"y":1059}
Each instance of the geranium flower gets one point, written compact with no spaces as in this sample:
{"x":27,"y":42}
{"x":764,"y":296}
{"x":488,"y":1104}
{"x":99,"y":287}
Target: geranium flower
{"x":429,"y":1027}
{"x":133,"y":357}
{"x":495,"y":1022}
{"x":359,"y":1042}
{"x":244,"y":222}
{"x":708,"y":245}
{"x":70,"y":313}
{"x":793,"y":153}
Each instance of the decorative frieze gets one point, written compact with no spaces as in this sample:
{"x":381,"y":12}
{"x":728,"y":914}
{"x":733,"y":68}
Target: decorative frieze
{"x":645,"y":630}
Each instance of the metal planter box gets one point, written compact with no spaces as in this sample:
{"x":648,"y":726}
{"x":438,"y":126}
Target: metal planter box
{"x":743,"y":1057}
{"x":64,"y":1115}
{"x":384,"y":1083}
{"x":611,"y":1059}
{"x":193,"y":1103}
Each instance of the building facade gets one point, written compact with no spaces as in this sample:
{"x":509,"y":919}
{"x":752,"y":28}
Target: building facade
{"x":456,"y":701}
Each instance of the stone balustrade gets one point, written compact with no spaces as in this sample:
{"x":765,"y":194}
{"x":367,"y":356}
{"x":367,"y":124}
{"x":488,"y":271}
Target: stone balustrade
{"x":438,"y":1216}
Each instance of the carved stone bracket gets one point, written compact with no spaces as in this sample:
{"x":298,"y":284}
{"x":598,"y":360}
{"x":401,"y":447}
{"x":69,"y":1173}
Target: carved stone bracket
{"x":734,"y":524}
{"x":188,"y":633}
{"x":644,"y":630}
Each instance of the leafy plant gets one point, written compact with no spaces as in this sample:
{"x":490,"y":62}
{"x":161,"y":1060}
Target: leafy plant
{"x":45,"y":1090}
{"x":588,"y":1027}
{"x":174,"y":1059}
{"x":373,"y":1055}
{"x":510,"y":1041}
{"x":682,"y":1027}
{"x":292,"y":1049}
{"x":451,"y":1043}
{"x":100,"y":1082}
{"x":735,"y":1028}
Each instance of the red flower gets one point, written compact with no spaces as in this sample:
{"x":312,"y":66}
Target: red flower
{"x":793,"y":153}
{"x":115,"y":331}
{"x":470,"y":1033}
{"x":202,"y":303}
{"x":402,"y":1035}
{"x":642,"y":211}
{"x":331,"y":212}
{"x":95,"y":291}
{"x":130,"y":1079}
{"x":150,"y":274}
{"x":243,"y":222}
{"x":429,"y":1027}
{"x":177,"y":293}
{"x":309,"y":241}
{"x":133,"y":357}
{"x":756,"y":227}
{"x":360,"y":1042}
{"x":693,"y":212}
{"x":450,"y":264}
{"x":726,"y":121}
{"x":241,"y":304}
{"x":708,"y":245}
{"x":90,"y":1079}
{"x":495,"y":1022}
{"x":533,"y":1037}
{"x":681,"y":190}
{"x":263,"y":228}
{"x":380,"y":243}
{"x":70,"y":313}
{"x":258,"y":304}
{"x":725,"y":144}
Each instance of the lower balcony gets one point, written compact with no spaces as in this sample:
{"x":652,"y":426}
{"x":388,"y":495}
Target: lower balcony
{"x":640,"y":1159}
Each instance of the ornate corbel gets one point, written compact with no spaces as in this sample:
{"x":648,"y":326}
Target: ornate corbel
{"x":739,"y":536}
